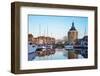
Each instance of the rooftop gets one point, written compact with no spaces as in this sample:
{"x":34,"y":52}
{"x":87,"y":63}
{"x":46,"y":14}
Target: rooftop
{"x":73,"y":27}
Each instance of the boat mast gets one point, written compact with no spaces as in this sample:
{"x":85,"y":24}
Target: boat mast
{"x":39,"y":30}
{"x":47,"y":36}
{"x":47,"y":30}
{"x":44,"y":31}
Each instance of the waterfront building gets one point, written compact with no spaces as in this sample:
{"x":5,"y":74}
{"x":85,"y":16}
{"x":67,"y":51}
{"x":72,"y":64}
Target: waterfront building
{"x":41,"y":39}
{"x":72,"y":34}
{"x":44,"y":40}
{"x":30,"y":36}
{"x":83,"y":43}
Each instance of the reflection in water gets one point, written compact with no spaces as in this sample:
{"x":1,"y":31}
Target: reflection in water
{"x":59,"y":54}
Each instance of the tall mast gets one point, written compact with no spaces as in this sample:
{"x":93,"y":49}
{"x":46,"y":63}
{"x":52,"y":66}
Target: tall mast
{"x":47,"y":30}
{"x":51,"y":34}
{"x":40,"y":30}
{"x":44,"y":31}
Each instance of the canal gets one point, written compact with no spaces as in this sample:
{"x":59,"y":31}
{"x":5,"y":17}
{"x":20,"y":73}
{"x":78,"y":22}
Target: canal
{"x":58,"y":55}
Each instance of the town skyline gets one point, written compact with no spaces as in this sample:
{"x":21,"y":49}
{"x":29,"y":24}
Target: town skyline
{"x":56,"y":26}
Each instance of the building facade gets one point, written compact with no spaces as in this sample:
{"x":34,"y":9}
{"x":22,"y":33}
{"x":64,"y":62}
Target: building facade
{"x":72,"y":34}
{"x":41,"y":40}
{"x":44,"y":40}
{"x":30,"y":37}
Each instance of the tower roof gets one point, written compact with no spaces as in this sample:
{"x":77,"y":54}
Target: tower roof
{"x":73,"y":27}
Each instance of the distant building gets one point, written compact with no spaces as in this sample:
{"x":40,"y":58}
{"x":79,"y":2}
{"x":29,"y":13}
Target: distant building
{"x":44,"y":40}
{"x":30,"y":36}
{"x":41,"y":40}
{"x":72,"y":34}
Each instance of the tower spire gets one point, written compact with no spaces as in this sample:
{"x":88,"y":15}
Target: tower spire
{"x":73,"y":24}
{"x":73,"y":27}
{"x":85,"y":31}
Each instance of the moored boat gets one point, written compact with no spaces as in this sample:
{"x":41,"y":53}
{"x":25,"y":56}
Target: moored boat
{"x":44,"y":50}
{"x":69,"y":47}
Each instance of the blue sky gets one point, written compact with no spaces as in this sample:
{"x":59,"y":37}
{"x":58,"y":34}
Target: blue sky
{"x":56,"y":26}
